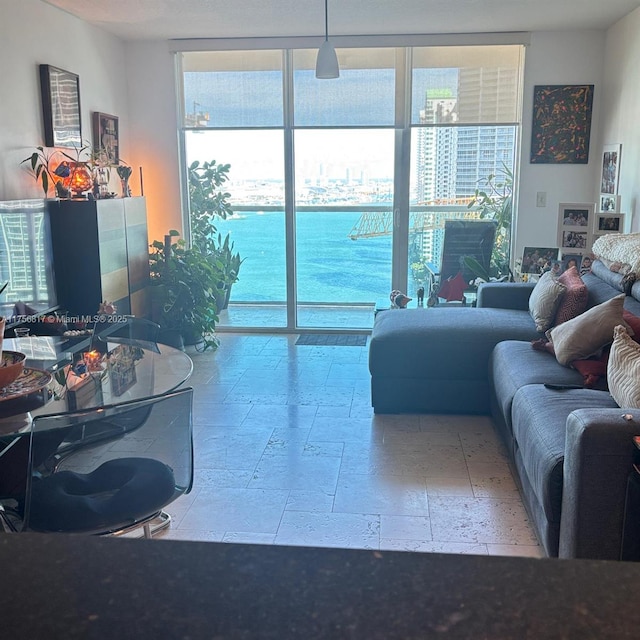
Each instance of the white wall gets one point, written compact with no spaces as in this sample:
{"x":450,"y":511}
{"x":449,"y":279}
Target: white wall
{"x":154,"y":134}
{"x":33,"y":33}
{"x":557,"y":58}
{"x":621,"y":106}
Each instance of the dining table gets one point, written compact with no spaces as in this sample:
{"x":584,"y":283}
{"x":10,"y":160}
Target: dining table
{"x":67,"y":374}
{"x":64,"y":375}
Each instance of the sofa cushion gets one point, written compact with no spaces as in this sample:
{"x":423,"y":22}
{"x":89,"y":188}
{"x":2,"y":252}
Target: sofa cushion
{"x":545,"y":300}
{"x":575,"y":298}
{"x":539,"y":417}
{"x":588,"y":333}
{"x":515,"y":364}
{"x":623,"y":369}
{"x":442,"y":343}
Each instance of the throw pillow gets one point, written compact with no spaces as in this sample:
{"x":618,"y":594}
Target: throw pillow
{"x":587,"y":333}
{"x":634,"y":324}
{"x":623,"y":372}
{"x":591,"y":369}
{"x":575,"y":298}
{"x":453,"y":288}
{"x":544,"y":300}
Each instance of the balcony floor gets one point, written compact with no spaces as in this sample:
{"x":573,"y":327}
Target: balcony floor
{"x":312,"y":316}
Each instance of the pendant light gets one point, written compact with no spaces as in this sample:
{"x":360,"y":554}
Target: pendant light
{"x":327,"y":61}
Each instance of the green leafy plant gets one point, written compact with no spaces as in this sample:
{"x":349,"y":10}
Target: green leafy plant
{"x":52,"y":168}
{"x":184,"y":289}
{"x":207,"y":202}
{"x":192,"y":283}
{"x":494,"y":200}
{"x":47,"y":169}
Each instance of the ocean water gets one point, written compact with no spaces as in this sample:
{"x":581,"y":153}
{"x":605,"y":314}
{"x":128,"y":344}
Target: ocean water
{"x":330,"y":266}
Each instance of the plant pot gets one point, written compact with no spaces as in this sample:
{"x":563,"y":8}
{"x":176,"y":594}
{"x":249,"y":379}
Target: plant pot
{"x":190,"y":337}
{"x":222,"y":299}
{"x":172,"y":338}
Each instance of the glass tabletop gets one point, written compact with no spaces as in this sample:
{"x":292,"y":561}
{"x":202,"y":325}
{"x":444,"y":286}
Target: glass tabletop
{"x":88,"y":373}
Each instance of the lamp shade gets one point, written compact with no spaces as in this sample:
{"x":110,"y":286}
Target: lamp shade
{"x":327,"y":62}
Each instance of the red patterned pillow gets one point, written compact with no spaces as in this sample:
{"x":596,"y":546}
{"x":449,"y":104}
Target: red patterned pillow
{"x":574,"y":300}
{"x":634,"y":324}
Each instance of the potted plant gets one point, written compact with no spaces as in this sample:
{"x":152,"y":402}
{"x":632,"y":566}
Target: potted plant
{"x":183,"y":292}
{"x":228,"y":262}
{"x":494,"y":200}
{"x":207,"y":202}
{"x":191,"y":284}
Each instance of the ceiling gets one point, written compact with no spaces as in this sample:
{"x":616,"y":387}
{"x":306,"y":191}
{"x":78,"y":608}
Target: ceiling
{"x":168,"y":19}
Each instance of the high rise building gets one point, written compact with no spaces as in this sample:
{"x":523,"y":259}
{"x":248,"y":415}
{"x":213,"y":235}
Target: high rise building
{"x":451,"y":160}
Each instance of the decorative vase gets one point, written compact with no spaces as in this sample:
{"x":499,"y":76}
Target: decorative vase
{"x":126,"y":190}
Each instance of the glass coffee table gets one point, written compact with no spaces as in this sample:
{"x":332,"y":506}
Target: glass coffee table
{"x":66,"y":375}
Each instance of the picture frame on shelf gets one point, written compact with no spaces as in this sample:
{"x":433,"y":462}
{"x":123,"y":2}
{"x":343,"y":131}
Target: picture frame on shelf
{"x":60,"y":107}
{"x":608,"y":222}
{"x":610,"y":169}
{"x":534,"y":259}
{"x":571,"y":259}
{"x":106,"y":137}
{"x":609,"y":202}
{"x":574,"y":226}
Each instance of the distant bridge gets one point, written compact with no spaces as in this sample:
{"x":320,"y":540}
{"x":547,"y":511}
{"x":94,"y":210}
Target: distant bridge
{"x":372,"y":224}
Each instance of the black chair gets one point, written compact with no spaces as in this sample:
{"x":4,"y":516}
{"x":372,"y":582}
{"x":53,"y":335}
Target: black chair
{"x":117,"y":483}
{"x":462,"y":239}
{"x":131,"y":330}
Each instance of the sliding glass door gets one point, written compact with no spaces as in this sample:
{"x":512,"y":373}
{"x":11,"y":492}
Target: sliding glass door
{"x":344,"y":181}
{"x":340,"y":188}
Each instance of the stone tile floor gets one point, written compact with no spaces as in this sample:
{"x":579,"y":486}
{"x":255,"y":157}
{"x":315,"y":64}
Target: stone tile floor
{"x":288,"y":451}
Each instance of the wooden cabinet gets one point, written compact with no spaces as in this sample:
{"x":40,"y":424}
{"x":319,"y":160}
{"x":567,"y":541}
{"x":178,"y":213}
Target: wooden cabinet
{"x":101,"y":252}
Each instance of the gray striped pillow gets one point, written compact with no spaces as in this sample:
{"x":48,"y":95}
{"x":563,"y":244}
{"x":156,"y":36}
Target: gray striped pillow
{"x":623,"y":369}
{"x":544,"y":300}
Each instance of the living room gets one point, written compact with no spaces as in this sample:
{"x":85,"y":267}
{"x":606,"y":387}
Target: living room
{"x":135,"y":78}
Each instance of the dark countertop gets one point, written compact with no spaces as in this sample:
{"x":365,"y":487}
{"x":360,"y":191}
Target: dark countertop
{"x":56,"y":586}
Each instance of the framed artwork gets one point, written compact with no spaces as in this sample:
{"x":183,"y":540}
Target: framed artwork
{"x":574,"y":226}
{"x":608,"y":222}
{"x":609,"y":203}
{"x":536,"y":259}
{"x":610,"y":169}
{"x":561,"y":127}
{"x":60,"y":107}
{"x":106,"y":140}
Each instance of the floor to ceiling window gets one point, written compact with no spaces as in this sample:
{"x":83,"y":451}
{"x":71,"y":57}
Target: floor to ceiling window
{"x":340,"y":187}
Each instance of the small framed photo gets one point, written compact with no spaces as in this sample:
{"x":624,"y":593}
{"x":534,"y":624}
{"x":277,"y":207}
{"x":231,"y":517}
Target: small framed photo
{"x":122,"y":369}
{"x":106,"y":138}
{"x":60,"y":107}
{"x":609,"y":203}
{"x":610,"y":169}
{"x":609,"y":223}
{"x":575,"y":239}
{"x":574,"y":226}
{"x":571,"y":260}
{"x":535,"y":260}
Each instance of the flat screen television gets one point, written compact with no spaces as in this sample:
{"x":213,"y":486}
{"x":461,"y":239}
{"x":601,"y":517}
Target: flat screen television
{"x":26,"y":259}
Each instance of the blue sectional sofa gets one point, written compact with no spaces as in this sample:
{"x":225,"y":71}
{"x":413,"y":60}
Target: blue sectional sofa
{"x":571,"y":448}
